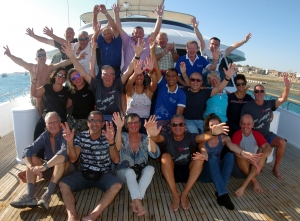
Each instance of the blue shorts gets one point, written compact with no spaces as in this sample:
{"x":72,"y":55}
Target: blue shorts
{"x":77,"y":182}
{"x":270,"y":137}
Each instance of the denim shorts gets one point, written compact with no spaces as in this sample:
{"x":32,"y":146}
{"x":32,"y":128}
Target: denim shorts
{"x":77,"y":182}
{"x":270,"y":137}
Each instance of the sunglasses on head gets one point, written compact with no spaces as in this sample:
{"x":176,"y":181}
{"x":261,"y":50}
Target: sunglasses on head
{"x":75,"y":77}
{"x":82,"y":39}
{"x":178,"y":124}
{"x":259,"y":91}
{"x":196,"y":79}
{"x":240,"y":84}
{"x":41,"y":55}
{"x":61,"y":75}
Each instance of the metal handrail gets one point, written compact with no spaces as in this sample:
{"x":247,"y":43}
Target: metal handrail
{"x":290,"y":102}
{"x":11,"y":96}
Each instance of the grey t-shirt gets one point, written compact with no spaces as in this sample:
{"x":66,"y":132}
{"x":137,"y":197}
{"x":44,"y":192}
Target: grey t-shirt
{"x":261,"y":114}
{"x":107,"y":99}
{"x":181,"y":151}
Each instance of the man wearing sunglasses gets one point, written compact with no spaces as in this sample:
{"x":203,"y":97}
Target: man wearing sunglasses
{"x":176,"y":162}
{"x":196,"y":97}
{"x":261,"y":111}
{"x":43,"y":70}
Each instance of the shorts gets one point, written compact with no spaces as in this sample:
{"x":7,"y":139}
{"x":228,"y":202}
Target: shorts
{"x":77,"y":182}
{"x":270,"y":137}
{"x":47,"y":174}
{"x":181,"y":173}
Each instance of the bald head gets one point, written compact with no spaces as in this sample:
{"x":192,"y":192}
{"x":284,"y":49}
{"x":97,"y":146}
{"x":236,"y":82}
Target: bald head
{"x":246,"y":124}
{"x":247,"y":117}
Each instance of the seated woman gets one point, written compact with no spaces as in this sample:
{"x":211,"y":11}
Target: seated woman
{"x":216,"y":170}
{"x":236,"y":102}
{"x":218,"y":103}
{"x":83,"y":101}
{"x":133,"y":167}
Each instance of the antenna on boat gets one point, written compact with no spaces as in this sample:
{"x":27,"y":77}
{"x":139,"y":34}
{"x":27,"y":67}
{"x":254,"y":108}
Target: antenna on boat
{"x":68,"y":14}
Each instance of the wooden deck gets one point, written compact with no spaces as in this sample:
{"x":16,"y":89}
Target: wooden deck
{"x":280,"y":200}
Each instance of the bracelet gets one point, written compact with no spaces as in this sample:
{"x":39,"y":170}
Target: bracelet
{"x":241,"y":152}
{"x":33,"y":83}
{"x":226,"y":79}
{"x":112,"y":144}
{"x":106,"y":14}
{"x":137,"y":58}
{"x":160,"y":16}
{"x":149,"y":136}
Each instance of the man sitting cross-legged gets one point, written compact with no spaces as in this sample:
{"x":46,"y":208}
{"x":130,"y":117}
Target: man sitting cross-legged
{"x":52,"y":142}
{"x":250,"y":140}
{"x":176,"y":163}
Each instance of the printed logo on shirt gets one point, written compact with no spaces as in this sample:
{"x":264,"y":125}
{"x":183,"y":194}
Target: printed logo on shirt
{"x":183,"y":148}
{"x":61,"y":95}
{"x":172,"y":100}
{"x":84,"y":95}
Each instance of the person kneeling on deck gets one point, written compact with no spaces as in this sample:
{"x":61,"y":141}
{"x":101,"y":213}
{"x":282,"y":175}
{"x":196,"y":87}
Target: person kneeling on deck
{"x":252,"y":141}
{"x":176,"y":164}
{"x":95,"y":149}
{"x":52,"y":142}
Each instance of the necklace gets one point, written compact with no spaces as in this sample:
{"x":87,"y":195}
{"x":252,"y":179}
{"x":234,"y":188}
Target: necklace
{"x":240,"y":97}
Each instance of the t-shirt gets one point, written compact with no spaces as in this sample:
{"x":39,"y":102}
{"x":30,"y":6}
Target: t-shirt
{"x":85,"y":62}
{"x":199,"y":64}
{"x":83,"y":102}
{"x":167,"y":102}
{"x":217,"y":104}
{"x":250,"y":143}
{"x":207,"y":54}
{"x":235,"y":106}
{"x":195,"y":103}
{"x":260,"y":114}
{"x":107,"y":99}
{"x":94,"y":154}
{"x":180,"y":151}
{"x":63,"y":55}
{"x":55,"y":101}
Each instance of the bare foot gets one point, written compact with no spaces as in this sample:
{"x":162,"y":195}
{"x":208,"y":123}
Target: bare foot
{"x":277,"y":174}
{"x":22,"y":176}
{"x":184,"y":202}
{"x":73,"y":218}
{"x":240,"y":191}
{"x":256,"y":187}
{"x":91,"y":217}
{"x":134,"y":208}
{"x":140,"y":208}
{"x":175,"y":204}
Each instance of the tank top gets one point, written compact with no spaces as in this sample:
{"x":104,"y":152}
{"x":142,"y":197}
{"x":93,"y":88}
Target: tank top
{"x":215,"y":150}
{"x":139,"y":104}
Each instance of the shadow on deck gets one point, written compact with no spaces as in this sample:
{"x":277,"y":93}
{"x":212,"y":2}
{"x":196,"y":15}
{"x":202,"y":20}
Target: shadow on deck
{"x":280,"y":200}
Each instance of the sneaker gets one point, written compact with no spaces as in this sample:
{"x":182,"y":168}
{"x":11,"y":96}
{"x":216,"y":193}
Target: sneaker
{"x":44,"y":201}
{"x":24,"y":201}
{"x":224,"y":200}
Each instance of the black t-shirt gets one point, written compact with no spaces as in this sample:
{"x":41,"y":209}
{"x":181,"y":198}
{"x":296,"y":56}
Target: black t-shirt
{"x":235,"y":106}
{"x":181,"y":151}
{"x":55,"y":101}
{"x":63,"y":55}
{"x":195,"y":103}
{"x":83,"y":102}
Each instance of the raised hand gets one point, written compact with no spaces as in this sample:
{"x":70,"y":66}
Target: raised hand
{"x":29,"y":32}
{"x":67,"y":133}
{"x":119,"y":122}
{"x":7,"y":51}
{"x":151,"y":126}
{"x":68,"y":49}
{"x":137,"y":67}
{"x":148,"y":64}
{"x":33,"y":72}
{"x":96,"y":10}
{"x":171,"y":47}
{"x":96,"y":26}
{"x":286,"y":80}
{"x":139,"y":47}
{"x":160,"y":10}
{"x":216,"y":53}
{"x":182,"y":67}
{"x":102,"y":9}
{"x":115,"y":8}
{"x":152,"y":43}
{"x":248,"y":36}
{"x":194,"y":22}
{"x":109,"y":133}
{"x":231,"y":70}
{"x":48,"y":31}
{"x":200,"y":156}
{"x":220,"y":129}
{"x":94,"y":46}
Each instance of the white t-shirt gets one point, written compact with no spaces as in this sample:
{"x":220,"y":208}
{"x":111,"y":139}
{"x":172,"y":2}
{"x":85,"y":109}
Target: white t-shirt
{"x":88,"y":52}
{"x":208,"y":56}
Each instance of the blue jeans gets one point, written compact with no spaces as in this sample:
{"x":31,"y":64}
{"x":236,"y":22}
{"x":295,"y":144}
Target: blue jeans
{"x":218,"y":172}
{"x":194,"y":126}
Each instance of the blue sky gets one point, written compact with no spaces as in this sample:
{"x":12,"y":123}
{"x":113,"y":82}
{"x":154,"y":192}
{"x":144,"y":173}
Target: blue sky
{"x":275,"y":26}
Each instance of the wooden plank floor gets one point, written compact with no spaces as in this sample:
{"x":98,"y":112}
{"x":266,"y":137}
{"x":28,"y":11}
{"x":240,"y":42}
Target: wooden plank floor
{"x":280,"y":200}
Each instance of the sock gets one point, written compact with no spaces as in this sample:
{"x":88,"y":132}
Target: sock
{"x":30,"y":189}
{"x":50,"y":189}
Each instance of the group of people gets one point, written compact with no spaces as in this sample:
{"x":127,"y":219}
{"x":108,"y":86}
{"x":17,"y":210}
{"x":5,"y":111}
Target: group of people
{"x":112,"y":122}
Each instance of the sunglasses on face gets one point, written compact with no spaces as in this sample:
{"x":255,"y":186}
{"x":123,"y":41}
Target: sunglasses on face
{"x":61,"y":75}
{"x":92,"y":121}
{"x":196,"y":79}
{"x":41,"y":55}
{"x":259,"y":91}
{"x":240,"y":84}
{"x":82,"y":39}
{"x":75,"y":77}
{"x":178,"y":124}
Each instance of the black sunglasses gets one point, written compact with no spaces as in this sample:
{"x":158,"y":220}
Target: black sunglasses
{"x":61,"y":75}
{"x":240,"y":84}
{"x":178,"y":124}
{"x":196,"y":79}
{"x":82,"y":39}
{"x":259,"y":91}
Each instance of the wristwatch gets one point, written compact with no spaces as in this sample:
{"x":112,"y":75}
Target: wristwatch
{"x":45,"y":165}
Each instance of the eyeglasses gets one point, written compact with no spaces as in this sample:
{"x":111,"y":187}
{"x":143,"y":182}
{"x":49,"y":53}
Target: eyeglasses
{"x":212,"y":78}
{"x":108,"y":74}
{"x":92,"y":121}
{"x":41,"y":55}
{"x":259,"y":91}
{"x":196,"y":79}
{"x":178,"y":124}
{"x":75,"y":77}
{"x":82,"y":39}
{"x":133,"y":122}
{"x":240,"y":84}
{"x":61,"y":75}
{"x":53,"y":123}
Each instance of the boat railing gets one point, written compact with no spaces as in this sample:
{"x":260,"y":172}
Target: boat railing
{"x":13,"y":95}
